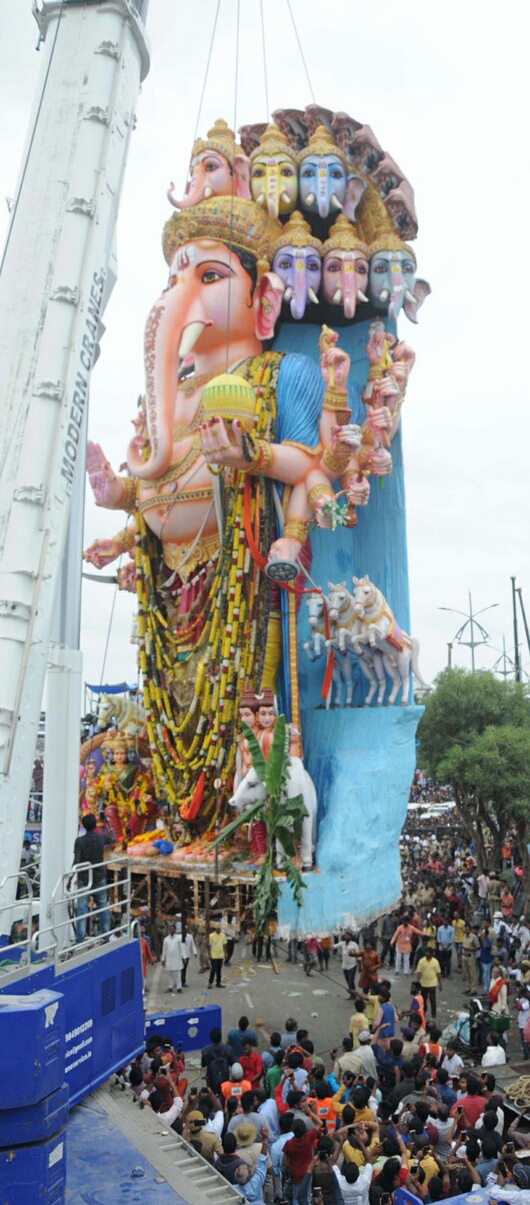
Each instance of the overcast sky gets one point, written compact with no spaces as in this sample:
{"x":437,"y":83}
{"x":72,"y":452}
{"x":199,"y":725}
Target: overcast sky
{"x":445,"y":90}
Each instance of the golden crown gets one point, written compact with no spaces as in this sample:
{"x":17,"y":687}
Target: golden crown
{"x":390,"y":241}
{"x":272,"y":142}
{"x":220,"y":138}
{"x":231,"y":220}
{"x":296,"y":233}
{"x":321,"y":143}
{"x":343,"y":237}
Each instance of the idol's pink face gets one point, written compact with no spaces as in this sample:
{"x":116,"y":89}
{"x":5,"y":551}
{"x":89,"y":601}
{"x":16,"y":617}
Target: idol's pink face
{"x":345,"y":275}
{"x":212,"y":288}
{"x":247,"y":716}
{"x":210,"y":175}
{"x":266,"y":717}
{"x":120,"y":759}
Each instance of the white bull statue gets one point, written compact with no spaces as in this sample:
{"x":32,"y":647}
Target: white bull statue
{"x":251,"y":789}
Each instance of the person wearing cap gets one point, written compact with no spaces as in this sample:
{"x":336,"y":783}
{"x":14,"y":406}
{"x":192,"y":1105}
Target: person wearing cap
{"x":249,"y":1184}
{"x":365,"y":1053}
{"x":247,"y":1145}
{"x":206,"y":1144}
{"x":236,"y":1085}
{"x":515,"y":1186}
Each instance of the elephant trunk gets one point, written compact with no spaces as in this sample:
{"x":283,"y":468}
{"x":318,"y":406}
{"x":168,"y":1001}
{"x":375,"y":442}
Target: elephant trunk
{"x":323,"y":194}
{"x":299,"y":297}
{"x":273,"y":194}
{"x":397,"y":291}
{"x":161,"y":373}
{"x":349,"y":284}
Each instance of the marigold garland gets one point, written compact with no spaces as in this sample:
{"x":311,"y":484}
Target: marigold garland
{"x":214,"y":657}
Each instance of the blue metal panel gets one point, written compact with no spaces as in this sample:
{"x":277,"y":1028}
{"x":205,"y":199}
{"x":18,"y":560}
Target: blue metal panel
{"x":35,"y":1123}
{"x":104,"y":1016}
{"x":34,"y":1173}
{"x":32,"y":1030}
{"x":190,"y":1027}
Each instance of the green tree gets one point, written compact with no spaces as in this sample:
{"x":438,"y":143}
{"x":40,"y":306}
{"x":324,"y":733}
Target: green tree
{"x":283,"y":819}
{"x":473,"y":735}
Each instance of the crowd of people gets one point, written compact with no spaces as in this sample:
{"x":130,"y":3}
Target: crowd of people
{"x":283,"y":1124}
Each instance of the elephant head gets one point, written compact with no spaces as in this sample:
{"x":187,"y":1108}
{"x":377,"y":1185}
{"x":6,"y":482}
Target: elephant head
{"x":345,"y":271}
{"x":322,"y":175}
{"x":296,"y":260}
{"x":215,"y":313}
{"x":392,"y":283}
{"x":218,"y":168}
{"x":273,"y":177}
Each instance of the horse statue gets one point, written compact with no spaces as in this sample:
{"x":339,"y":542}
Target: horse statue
{"x":316,"y":646}
{"x":380,"y":632}
{"x":251,"y":789}
{"x":128,"y":714}
{"x":347,"y":639}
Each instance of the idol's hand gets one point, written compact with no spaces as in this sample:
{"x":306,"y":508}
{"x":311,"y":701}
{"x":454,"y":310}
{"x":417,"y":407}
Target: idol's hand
{"x":337,"y":362}
{"x":127,"y":578}
{"x":381,"y":419}
{"x":102,"y":552}
{"x":218,"y":447}
{"x":285,"y":549}
{"x":107,"y":487}
{"x":357,"y":492}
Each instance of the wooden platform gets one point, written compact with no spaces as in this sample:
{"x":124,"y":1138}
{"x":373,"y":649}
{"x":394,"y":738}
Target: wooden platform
{"x":161,"y":888}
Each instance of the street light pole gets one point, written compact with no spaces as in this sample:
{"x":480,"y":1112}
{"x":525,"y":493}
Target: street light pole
{"x":471,"y":621}
{"x":517,"y":661}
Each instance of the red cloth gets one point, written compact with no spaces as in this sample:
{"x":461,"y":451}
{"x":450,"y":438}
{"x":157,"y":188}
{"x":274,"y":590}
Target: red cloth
{"x":146,"y":955}
{"x":300,"y":1154}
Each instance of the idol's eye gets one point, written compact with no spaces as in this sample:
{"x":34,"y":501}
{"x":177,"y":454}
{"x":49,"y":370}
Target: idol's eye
{"x":211,"y":276}
{"x":333,"y":266}
{"x":284,"y":263}
{"x":211,"y":165}
{"x":287,"y":171}
{"x":313,"y":265}
{"x":408,"y":267}
{"x":380,"y":266}
{"x":307,"y":172}
{"x":258,"y":172}
{"x":336,"y":173}
{"x":361,"y":268}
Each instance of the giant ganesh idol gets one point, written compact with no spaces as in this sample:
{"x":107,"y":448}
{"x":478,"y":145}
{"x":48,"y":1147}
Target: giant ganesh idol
{"x":265,"y":465}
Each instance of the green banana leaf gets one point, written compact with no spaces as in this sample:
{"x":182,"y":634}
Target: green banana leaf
{"x":275,"y":765}
{"x":244,"y":818}
{"x":258,"y":760}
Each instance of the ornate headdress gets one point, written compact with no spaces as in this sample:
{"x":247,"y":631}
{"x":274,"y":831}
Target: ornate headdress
{"x":390,"y":241}
{"x":117,"y":742}
{"x":343,"y":237}
{"x":296,"y":233}
{"x":273,"y":142}
{"x":321,"y":143}
{"x":220,"y":138}
{"x":240,"y":224}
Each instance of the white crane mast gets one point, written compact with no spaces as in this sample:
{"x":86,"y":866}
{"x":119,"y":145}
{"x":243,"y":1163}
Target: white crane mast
{"x":57,"y":273}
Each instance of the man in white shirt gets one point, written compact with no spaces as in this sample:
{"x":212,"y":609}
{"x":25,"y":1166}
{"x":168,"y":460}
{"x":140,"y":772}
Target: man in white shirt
{"x":483,"y":887}
{"x":348,"y":949}
{"x":172,"y":959}
{"x":354,"y":1183}
{"x":451,"y":1061}
{"x":495,"y":1054}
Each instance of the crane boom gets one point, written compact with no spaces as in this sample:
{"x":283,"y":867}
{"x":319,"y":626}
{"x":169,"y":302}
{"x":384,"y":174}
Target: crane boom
{"x":57,"y":274}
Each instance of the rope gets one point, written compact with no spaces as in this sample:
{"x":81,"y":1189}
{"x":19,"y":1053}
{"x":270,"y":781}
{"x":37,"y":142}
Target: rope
{"x":519,"y":1092}
{"x":265,"y":80}
{"x":109,"y":630}
{"x":208,"y":61}
{"x":230,"y":245}
{"x":301,"y":51}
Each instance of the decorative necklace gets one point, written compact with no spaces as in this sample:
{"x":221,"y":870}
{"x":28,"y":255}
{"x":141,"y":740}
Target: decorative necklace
{"x":190,"y":385}
{"x":177,"y":468}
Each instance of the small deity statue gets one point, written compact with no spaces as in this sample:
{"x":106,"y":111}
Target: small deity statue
{"x":322,"y":175}
{"x":296,"y":260}
{"x":218,"y":167}
{"x":273,"y":175}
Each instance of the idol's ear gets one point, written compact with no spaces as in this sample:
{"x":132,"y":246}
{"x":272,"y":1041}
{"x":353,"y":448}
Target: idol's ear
{"x":354,"y":190}
{"x":267,"y":304}
{"x":242,"y":177}
{"x":413,"y":302}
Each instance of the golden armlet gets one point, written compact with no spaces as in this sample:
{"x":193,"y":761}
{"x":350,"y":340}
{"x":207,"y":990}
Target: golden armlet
{"x":295,"y":529}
